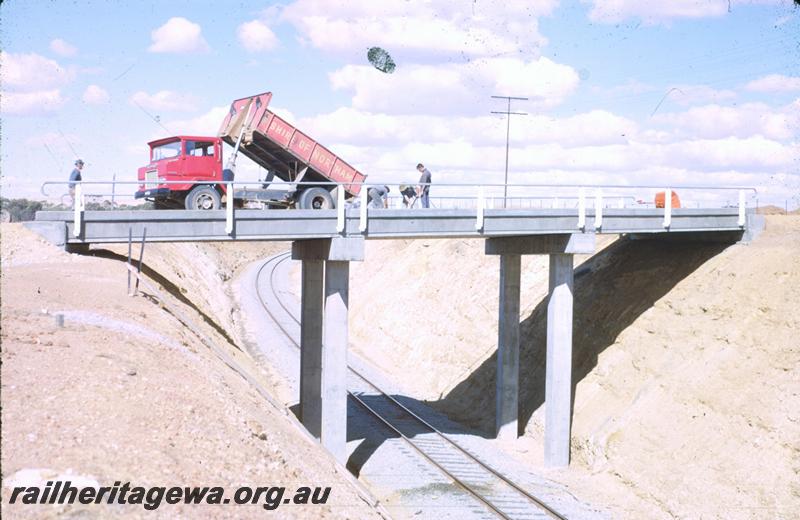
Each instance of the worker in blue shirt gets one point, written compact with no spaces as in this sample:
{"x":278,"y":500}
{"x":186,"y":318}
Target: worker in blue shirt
{"x":74,"y":177}
{"x":379,"y":196}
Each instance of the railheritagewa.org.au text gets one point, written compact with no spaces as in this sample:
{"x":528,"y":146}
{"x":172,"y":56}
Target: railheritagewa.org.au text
{"x":153,"y":497}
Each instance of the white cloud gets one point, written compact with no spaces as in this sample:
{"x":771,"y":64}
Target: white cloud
{"x":653,"y":11}
{"x":255,"y":36}
{"x":592,"y":147}
{"x":95,"y":95}
{"x":413,"y":89}
{"x":775,"y":83}
{"x":165,"y":100}
{"x":468,"y":29}
{"x":205,"y":124}
{"x":659,"y":11}
{"x":31,"y":103}
{"x":694,"y":155}
{"x":355,"y":127}
{"x":63,"y":48}
{"x":752,"y":153}
{"x":456,"y":89}
{"x":625,"y":161}
{"x":178,"y":35}
{"x":747,"y":120}
{"x":597,"y":127}
{"x":544,"y":79}
{"x":32,"y":72}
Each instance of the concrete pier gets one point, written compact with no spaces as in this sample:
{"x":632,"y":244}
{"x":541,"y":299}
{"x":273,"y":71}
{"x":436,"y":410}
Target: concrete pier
{"x":507,"y":383}
{"x":558,"y":384}
{"x":334,"y":359}
{"x":558,"y":374}
{"x":312,"y":287}
{"x":324,"y":337}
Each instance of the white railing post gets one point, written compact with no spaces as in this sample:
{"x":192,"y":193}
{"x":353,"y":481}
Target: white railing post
{"x":340,"y":209}
{"x":667,"y":208}
{"x":742,"y":217}
{"x":581,"y":209}
{"x":77,"y":206}
{"x":364,"y":197}
{"x":481,"y":203}
{"x":229,"y":208}
{"x":598,"y":209}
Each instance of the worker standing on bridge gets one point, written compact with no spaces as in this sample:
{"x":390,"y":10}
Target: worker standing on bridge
{"x":74,"y":177}
{"x":424,"y":185}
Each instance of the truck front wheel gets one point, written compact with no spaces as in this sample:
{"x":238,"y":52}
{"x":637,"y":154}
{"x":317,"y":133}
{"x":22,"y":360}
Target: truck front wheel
{"x":316,"y":198}
{"x":203,"y":197}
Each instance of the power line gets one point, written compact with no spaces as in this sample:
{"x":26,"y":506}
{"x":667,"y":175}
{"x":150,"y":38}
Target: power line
{"x":52,"y":155}
{"x":157,"y":121}
{"x":77,"y":155}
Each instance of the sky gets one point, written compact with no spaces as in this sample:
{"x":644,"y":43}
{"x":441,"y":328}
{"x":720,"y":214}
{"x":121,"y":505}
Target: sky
{"x":620,"y":92}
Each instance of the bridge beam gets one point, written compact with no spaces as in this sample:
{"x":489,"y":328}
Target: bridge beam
{"x":558,"y":383}
{"x":324,"y":337}
{"x":572,"y":243}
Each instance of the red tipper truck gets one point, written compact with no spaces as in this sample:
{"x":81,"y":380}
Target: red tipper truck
{"x":255,"y":131}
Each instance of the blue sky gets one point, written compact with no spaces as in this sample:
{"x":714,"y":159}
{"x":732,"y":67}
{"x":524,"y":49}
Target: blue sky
{"x":621,"y":91}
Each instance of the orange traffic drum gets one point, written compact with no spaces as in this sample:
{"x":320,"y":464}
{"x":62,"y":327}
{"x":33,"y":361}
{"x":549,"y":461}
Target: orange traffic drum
{"x":676,"y":202}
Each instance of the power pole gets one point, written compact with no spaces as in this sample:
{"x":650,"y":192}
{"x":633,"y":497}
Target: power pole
{"x":508,"y":114}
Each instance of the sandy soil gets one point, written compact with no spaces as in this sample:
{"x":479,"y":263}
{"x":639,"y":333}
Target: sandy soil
{"x":686,"y":360}
{"x":125,"y":391}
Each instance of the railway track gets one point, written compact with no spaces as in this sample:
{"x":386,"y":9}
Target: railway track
{"x":499,"y":495}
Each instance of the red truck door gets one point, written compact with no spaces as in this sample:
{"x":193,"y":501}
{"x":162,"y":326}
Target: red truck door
{"x":201,"y":159}
{"x":168,"y":158}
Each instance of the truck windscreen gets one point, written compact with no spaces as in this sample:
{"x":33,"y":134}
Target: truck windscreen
{"x":166,"y":151}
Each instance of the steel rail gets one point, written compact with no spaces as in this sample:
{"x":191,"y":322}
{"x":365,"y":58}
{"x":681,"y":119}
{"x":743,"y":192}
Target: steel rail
{"x":275,"y":261}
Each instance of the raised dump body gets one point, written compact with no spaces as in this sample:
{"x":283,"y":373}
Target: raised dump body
{"x":281,"y":148}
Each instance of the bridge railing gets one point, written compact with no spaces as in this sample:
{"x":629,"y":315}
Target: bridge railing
{"x":480,"y":197}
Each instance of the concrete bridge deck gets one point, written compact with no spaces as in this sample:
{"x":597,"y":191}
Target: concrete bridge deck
{"x":221,"y":225}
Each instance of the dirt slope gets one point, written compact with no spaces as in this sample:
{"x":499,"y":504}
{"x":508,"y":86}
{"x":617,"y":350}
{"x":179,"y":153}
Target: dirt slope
{"x":125,"y":391}
{"x":686,"y":360}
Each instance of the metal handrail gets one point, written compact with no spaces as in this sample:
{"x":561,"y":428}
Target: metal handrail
{"x":436,"y":184}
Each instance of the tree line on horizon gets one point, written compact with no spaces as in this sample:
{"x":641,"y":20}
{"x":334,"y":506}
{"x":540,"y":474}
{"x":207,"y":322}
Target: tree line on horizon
{"x":23,"y":210}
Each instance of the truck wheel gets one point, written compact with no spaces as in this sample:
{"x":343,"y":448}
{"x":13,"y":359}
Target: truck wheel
{"x":316,"y":198}
{"x":203,"y":197}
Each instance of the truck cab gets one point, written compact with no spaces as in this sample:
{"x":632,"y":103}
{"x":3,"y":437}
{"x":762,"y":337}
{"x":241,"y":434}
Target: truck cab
{"x":182,"y":172}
